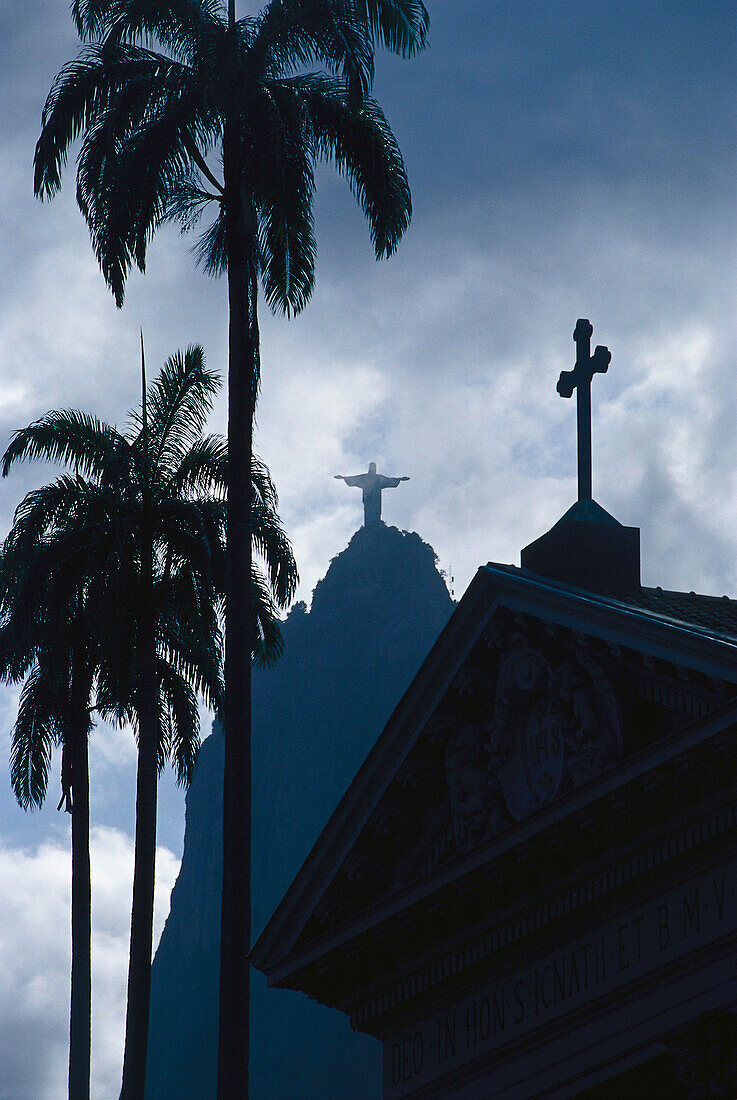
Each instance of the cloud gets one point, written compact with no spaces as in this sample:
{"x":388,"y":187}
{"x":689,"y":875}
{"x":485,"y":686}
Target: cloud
{"x":462,"y":397}
{"x":35,"y":961}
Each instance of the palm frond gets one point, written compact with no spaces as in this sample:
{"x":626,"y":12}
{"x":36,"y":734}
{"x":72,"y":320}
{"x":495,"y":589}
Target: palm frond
{"x":361,"y":145}
{"x":282,"y":183}
{"x":66,"y":436}
{"x":179,"y":402}
{"x":133,"y":163}
{"x":176,"y":25}
{"x":271,"y":542}
{"x":85,"y":89}
{"x":179,"y":704}
{"x":203,"y":469}
{"x":188,"y":204}
{"x":297,"y":33}
{"x":191,"y":531}
{"x":179,"y":18}
{"x":210,"y":251}
{"x":401,"y":25}
{"x":264,"y":488}
{"x":34,"y":734}
{"x":268,"y":643}
{"x":203,"y":675}
{"x":17,"y":653}
{"x":37,"y":514}
{"x":39,"y":600}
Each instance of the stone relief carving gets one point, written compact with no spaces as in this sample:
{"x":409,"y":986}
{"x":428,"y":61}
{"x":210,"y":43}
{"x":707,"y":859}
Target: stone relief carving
{"x":553,"y":724}
{"x":476,"y":800}
{"x":597,"y":727}
{"x":704,"y":1056}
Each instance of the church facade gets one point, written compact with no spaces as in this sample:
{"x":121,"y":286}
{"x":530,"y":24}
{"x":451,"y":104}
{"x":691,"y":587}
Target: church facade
{"x":530,"y":888}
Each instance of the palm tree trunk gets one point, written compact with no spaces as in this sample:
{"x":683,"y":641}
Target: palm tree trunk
{"x":142,"y":913}
{"x":81,"y":999}
{"x":235,"y":934}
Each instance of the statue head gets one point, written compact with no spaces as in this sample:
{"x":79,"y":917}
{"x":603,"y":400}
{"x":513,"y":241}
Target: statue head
{"x":372,"y":468}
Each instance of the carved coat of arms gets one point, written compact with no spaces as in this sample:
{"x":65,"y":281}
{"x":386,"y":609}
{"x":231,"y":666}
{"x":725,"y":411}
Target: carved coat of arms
{"x":554,"y":723}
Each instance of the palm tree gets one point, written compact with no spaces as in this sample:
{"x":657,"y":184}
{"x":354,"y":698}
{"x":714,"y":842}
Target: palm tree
{"x":150,"y":120}
{"x":43,"y":642}
{"x":142,"y":534}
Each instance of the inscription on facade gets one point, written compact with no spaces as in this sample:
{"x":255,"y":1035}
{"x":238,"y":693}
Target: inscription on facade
{"x":636,"y":943}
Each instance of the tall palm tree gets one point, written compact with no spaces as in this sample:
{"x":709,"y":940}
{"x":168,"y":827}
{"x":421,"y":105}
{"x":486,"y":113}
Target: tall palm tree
{"x":43,"y":642}
{"x":141,"y":531}
{"x":150,"y":119}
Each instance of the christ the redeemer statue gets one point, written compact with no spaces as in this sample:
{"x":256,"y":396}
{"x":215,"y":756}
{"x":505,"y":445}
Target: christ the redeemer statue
{"x":371,"y":485}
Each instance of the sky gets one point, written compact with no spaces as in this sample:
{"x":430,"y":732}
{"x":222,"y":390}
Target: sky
{"x":567,"y":158}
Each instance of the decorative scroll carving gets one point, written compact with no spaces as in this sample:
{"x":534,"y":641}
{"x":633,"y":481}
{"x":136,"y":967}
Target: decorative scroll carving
{"x":704,"y":1056}
{"x":554,"y":724}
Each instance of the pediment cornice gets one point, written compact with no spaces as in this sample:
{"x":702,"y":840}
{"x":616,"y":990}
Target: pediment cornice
{"x":639,"y":792}
{"x":393,"y":840}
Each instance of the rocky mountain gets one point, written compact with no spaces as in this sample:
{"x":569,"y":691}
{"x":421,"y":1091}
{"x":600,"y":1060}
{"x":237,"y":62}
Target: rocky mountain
{"x":317,"y":713}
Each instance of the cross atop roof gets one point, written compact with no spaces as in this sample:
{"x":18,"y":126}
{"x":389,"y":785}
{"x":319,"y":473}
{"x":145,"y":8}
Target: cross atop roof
{"x":587,"y":365}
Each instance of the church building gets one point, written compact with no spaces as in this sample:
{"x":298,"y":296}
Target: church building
{"x":530,"y":887}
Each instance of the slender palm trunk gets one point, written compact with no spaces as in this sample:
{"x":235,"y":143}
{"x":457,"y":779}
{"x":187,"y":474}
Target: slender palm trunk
{"x":81,"y":999}
{"x":235,"y":936}
{"x":142,"y":913}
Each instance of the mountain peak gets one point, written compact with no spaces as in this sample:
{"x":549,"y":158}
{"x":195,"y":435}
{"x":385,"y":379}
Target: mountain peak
{"x":380,"y":564}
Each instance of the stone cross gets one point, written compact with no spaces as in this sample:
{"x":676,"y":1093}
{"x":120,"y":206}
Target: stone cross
{"x":371,"y":485}
{"x":587,"y":365}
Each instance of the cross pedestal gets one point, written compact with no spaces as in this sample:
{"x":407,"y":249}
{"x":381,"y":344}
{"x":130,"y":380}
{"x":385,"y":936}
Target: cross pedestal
{"x":587,"y":548}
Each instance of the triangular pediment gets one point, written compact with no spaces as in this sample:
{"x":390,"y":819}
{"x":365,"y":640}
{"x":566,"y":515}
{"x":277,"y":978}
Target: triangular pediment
{"x":535,"y":697}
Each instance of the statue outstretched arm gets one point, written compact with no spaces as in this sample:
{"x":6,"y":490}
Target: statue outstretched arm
{"x":389,"y":482}
{"x":356,"y":480}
